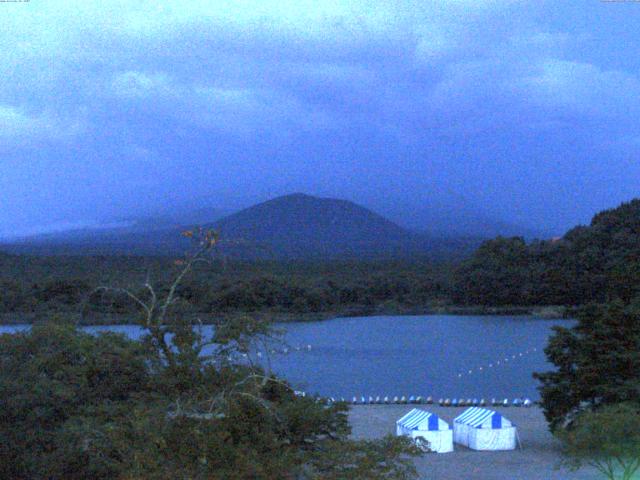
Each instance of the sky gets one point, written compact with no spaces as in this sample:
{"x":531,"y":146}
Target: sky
{"x":523,"y":111}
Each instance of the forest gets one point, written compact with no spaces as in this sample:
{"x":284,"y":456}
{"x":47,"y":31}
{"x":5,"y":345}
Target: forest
{"x":589,"y":264}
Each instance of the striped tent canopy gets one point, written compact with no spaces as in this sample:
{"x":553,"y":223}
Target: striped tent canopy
{"x":477,"y":417}
{"x":422,"y":420}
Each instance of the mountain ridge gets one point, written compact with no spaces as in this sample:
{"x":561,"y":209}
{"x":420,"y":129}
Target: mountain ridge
{"x":294,"y":226}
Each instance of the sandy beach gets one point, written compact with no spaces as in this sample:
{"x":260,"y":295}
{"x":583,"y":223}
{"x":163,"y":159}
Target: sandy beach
{"x":538,"y":459}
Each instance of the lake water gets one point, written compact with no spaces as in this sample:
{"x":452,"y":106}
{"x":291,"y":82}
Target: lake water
{"x":437,"y":355}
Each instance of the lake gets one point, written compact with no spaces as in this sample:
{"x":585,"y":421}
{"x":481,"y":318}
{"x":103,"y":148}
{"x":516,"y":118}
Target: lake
{"x":437,"y":355}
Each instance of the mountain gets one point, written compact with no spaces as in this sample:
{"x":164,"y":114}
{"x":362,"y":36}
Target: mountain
{"x":300,"y":225}
{"x":295,"y":226}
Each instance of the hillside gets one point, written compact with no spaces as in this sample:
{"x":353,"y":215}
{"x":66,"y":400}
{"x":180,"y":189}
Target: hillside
{"x":594,"y":263}
{"x":299,"y":225}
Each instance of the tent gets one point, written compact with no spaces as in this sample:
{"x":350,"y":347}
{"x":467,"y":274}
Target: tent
{"x":427,"y":429}
{"x":483,"y":429}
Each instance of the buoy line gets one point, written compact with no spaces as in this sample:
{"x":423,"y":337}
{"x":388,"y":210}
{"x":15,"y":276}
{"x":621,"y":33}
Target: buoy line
{"x":420,"y":400}
{"x":498,"y":363}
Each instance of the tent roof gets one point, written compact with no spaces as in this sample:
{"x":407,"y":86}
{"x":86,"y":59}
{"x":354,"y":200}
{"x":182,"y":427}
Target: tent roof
{"x":418,"y":419}
{"x":478,"y":417}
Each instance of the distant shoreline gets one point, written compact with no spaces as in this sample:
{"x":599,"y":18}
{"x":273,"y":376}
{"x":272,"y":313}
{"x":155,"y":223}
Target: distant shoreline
{"x":543,"y":312}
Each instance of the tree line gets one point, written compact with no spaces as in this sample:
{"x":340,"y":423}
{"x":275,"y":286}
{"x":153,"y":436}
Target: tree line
{"x":596,"y":263}
{"x":66,"y":284}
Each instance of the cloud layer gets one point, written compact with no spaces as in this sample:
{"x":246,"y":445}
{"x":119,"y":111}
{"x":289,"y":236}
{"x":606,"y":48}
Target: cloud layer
{"x":522,"y":107}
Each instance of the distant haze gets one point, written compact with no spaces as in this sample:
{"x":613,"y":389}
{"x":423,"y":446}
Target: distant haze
{"x":454,"y":115}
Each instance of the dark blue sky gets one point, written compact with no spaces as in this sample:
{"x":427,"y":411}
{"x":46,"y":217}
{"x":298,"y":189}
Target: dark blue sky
{"x":523,"y":111}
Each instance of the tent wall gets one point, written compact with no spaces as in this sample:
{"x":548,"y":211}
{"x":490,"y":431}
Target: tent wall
{"x":492,"y":439}
{"x":441,"y":441}
{"x":485,"y":438}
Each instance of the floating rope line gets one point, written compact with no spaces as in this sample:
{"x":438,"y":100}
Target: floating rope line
{"x":498,"y":363}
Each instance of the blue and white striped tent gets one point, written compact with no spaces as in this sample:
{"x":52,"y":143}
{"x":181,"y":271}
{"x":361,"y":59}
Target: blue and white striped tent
{"x":484,"y":429}
{"x":426,"y":426}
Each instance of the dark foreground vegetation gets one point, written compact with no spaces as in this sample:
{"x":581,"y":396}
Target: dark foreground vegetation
{"x":591,"y":400}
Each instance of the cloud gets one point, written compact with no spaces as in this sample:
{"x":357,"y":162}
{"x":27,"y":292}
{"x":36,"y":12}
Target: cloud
{"x":582,"y":87}
{"x":233,"y":110}
{"x":136,"y":84}
{"x":60,"y":227}
{"x":19,"y":127}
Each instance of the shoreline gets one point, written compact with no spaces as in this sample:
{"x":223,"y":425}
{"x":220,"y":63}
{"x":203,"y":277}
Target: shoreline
{"x":550,"y":312}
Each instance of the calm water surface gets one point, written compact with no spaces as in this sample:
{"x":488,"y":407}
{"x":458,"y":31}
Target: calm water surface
{"x":437,"y":355}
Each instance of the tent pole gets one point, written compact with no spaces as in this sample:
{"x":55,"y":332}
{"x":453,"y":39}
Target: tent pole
{"x":518,"y":438}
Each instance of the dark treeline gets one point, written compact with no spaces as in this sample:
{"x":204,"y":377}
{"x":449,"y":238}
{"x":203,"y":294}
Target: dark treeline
{"x":42,"y":285}
{"x":590,"y":264}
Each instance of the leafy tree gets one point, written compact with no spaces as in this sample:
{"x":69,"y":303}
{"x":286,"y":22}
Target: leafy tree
{"x":608,"y":439}
{"x":61,"y":391}
{"x":597,"y":363}
{"x":495,"y":274}
{"x":595,"y":263}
